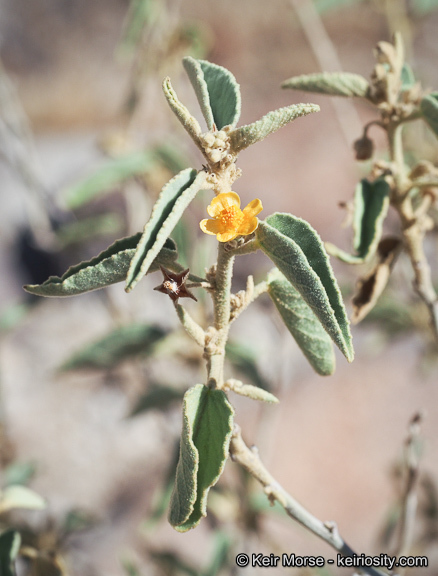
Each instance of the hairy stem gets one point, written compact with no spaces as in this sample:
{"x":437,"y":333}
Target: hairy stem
{"x":327,"y":531}
{"x":215,"y":350}
{"x":413,"y":227}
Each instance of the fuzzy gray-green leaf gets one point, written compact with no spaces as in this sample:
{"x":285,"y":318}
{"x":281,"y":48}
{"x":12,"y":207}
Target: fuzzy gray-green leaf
{"x":429,"y":109}
{"x":297,"y":250}
{"x":330,"y":83}
{"x":244,"y":136}
{"x":190,"y":123}
{"x":9,"y":546}
{"x":167,"y":211}
{"x":371,"y":202}
{"x":109,"y":267}
{"x":217,"y":91}
{"x":302,"y":323}
{"x":207,"y":428}
{"x":119,"y":345}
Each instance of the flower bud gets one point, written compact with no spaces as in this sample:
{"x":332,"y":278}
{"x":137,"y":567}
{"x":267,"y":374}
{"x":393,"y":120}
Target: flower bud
{"x":364,"y":148}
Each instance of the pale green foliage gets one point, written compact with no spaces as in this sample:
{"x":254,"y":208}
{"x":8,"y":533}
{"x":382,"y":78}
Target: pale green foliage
{"x":302,"y":323}
{"x":296,"y":249}
{"x":245,"y":136}
{"x":429,"y":109}
{"x":122,"y":343}
{"x":114,"y":172}
{"x":181,"y":112}
{"x":330,"y":83}
{"x":371,"y":202}
{"x":16,"y":496}
{"x":251,"y":391}
{"x":168,"y":209}
{"x":217,"y":91}
{"x":207,"y":427}
{"x":9,"y":546}
{"x":109,"y":267}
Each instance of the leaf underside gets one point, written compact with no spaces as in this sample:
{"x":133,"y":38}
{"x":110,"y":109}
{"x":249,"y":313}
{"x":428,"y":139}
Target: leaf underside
{"x":330,"y":83}
{"x":371,"y":202}
{"x":370,"y":288}
{"x":109,"y":267}
{"x":207,"y":428}
{"x":302,"y":323}
{"x":429,"y":109}
{"x":298,"y":252}
{"x":217,"y":92}
{"x":167,"y":211}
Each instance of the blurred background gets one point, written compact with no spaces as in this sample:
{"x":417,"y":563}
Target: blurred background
{"x":86,"y":142}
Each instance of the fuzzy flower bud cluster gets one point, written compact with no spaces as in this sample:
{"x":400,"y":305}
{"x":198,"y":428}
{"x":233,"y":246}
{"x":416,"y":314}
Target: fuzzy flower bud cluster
{"x":216,"y":145}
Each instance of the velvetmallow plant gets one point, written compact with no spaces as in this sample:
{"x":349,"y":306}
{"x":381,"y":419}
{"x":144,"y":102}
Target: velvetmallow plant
{"x":301,"y":285}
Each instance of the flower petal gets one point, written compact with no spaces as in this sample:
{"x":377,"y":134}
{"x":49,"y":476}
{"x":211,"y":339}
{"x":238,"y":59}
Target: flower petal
{"x":227,"y":236}
{"x":222,"y":202}
{"x":211,"y":226}
{"x":248,"y":226}
{"x":253,"y":208}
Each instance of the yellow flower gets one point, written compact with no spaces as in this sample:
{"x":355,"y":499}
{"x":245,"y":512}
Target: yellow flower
{"x":229,"y":221}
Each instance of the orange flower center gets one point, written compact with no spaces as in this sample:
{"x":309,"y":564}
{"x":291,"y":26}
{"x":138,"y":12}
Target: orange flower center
{"x":231,"y":216}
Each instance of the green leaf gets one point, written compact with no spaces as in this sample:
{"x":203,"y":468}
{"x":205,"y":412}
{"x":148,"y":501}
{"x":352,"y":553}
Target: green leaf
{"x":207,"y":428}
{"x":221,"y":549}
{"x":330,"y":83}
{"x":217,"y":91}
{"x":407,"y":77}
{"x":244,"y":136}
{"x":88,"y":228}
{"x":250,"y":391}
{"x":109,"y":176}
{"x":371,"y":202}
{"x":122,"y":343}
{"x":109,"y":267}
{"x":167,"y":211}
{"x":297,"y":250}
{"x":158,"y":397}
{"x":19,"y":473}
{"x":10,"y":542}
{"x":141,"y":14}
{"x":171,"y":157}
{"x":16,"y":496}
{"x":244,"y":358}
{"x":429,"y":109}
{"x":191,"y":125}
{"x":302,"y":323}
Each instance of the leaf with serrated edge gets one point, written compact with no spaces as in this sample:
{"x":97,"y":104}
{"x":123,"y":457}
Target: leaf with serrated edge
{"x":245,"y":136}
{"x":302,"y":323}
{"x":330,"y":83}
{"x":109,"y":267}
{"x":105,"y":178}
{"x":429,"y":109}
{"x":207,"y":428}
{"x":9,"y":546}
{"x":190,"y":123}
{"x":16,"y":496}
{"x":120,"y":344}
{"x":168,"y":209}
{"x":297,"y":250}
{"x":217,"y":92}
{"x":371,"y":202}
